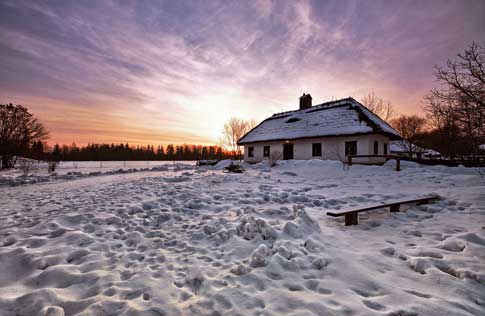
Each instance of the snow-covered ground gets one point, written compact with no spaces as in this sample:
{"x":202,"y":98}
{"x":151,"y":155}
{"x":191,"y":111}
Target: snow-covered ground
{"x":188,"y":241}
{"x":67,"y":170}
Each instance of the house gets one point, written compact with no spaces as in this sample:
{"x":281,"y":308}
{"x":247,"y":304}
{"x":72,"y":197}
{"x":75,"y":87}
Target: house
{"x":331,"y":130}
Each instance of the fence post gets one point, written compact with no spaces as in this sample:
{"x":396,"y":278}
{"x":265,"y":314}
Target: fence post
{"x":398,"y":164}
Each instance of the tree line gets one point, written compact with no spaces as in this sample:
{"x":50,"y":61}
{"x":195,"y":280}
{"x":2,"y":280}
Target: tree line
{"x":125,"y":152}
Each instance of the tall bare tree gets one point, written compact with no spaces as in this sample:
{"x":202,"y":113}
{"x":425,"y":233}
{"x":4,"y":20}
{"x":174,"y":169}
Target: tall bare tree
{"x":443,"y":120}
{"x":234,"y":129}
{"x":410,"y":127}
{"x":384,"y":109}
{"x":19,"y":130}
{"x":461,"y":99}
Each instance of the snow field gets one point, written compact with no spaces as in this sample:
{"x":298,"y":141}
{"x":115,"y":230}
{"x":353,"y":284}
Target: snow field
{"x":203,"y":242}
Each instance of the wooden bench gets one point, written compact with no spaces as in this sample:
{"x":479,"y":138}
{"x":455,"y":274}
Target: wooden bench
{"x":352,"y":215}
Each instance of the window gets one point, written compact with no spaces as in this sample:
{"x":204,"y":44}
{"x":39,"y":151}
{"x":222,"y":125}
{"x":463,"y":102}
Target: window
{"x":250,"y":152}
{"x":351,"y":148}
{"x":317,"y":150}
{"x":376,"y":147}
{"x":292,"y":120}
{"x":266,"y":151}
{"x":385,"y":149}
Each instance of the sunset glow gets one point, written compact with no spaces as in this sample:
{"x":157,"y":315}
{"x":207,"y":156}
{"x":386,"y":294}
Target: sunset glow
{"x":174,"y":71}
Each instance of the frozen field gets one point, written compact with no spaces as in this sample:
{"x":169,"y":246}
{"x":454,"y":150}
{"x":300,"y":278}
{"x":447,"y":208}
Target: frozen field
{"x":188,"y":241}
{"x":68,"y":170}
{"x":41,"y":168}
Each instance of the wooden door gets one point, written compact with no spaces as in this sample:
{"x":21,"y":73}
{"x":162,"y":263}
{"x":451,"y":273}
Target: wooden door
{"x":287,"y":151}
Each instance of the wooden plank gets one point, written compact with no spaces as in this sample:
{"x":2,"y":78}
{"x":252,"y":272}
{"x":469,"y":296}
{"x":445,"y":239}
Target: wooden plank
{"x":354,"y":210}
{"x":394,"y":205}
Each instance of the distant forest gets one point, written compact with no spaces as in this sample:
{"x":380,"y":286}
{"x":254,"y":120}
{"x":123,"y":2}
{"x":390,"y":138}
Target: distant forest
{"x":125,"y":152}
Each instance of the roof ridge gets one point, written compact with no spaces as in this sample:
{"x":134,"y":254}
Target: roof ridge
{"x":314,"y":106}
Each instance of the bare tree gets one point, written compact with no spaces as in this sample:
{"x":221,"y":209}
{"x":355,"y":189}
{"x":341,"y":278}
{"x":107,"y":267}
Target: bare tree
{"x":410,"y":127}
{"x":384,"y":109}
{"x":235,"y":129}
{"x":19,"y":129}
{"x":462,"y":98}
{"x":442,"y":118}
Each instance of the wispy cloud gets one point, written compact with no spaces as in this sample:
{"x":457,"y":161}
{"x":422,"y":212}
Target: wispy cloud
{"x":175,"y":71}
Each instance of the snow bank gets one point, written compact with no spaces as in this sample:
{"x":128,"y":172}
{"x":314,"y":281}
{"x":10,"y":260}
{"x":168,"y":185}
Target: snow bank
{"x":221,"y":165}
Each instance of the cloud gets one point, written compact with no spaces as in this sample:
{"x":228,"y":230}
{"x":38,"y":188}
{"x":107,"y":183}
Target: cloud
{"x":155,"y":71}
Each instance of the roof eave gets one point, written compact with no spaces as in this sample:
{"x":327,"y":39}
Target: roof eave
{"x":391,"y":137}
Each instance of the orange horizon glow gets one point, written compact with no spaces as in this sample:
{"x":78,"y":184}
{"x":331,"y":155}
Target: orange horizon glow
{"x":175,"y":72}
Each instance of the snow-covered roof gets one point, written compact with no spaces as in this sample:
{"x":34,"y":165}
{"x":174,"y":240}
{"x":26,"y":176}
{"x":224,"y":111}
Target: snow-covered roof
{"x":335,"y":118}
{"x":403,"y":147}
{"x":431,"y":152}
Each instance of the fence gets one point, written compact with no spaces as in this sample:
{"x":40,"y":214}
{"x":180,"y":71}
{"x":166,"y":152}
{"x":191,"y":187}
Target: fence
{"x":468,"y":161}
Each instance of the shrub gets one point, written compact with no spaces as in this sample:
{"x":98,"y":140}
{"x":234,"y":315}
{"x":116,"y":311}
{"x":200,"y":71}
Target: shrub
{"x":274,"y":158}
{"x":234,"y":168}
{"x":51,"y":166}
{"x":25,"y":165}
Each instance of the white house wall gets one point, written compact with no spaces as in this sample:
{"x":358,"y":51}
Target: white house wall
{"x":333,"y":148}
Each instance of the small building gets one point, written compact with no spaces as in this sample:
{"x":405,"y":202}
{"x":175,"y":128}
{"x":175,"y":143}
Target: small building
{"x":331,"y":130}
{"x":403,"y":148}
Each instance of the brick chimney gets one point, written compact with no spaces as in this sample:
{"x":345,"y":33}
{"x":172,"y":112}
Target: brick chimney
{"x":305,"y":101}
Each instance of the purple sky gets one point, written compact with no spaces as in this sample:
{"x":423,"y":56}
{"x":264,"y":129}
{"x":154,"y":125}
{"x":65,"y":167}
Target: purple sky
{"x":175,"y":71}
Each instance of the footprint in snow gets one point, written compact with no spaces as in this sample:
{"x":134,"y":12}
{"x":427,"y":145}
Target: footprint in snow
{"x":419,"y":294}
{"x":374,"y":305}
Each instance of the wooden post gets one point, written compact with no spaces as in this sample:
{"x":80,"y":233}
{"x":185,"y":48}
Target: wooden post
{"x":398,"y":164}
{"x":350,"y":160}
{"x":395,"y":208}
{"x":351,"y":219}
